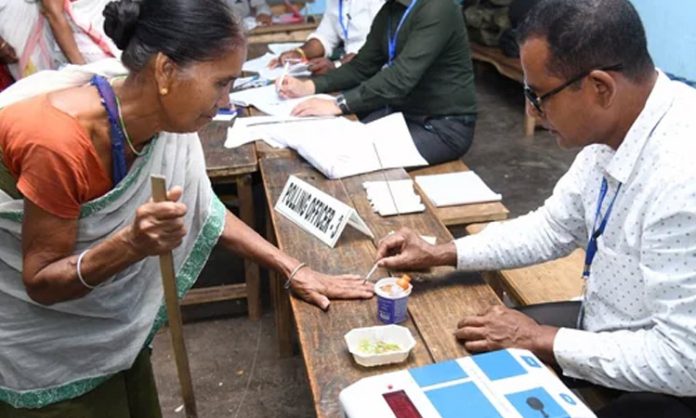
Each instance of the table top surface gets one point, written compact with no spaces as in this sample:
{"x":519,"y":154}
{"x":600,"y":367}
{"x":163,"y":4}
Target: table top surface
{"x":434,"y":307}
{"x":222,"y":163}
{"x":283,"y":27}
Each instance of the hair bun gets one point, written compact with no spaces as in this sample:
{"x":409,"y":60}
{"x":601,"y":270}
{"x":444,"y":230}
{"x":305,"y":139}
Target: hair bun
{"x":120,"y":21}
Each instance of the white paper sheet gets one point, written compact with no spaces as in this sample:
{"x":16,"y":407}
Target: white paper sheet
{"x":279,"y":48}
{"x":249,"y":129}
{"x":224,"y":117}
{"x":342,"y":148}
{"x":393,"y":197}
{"x":456,"y":189}
{"x":337,"y":147}
{"x":257,"y":64}
{"x":260,"y":65}
{"x":266,"y":99}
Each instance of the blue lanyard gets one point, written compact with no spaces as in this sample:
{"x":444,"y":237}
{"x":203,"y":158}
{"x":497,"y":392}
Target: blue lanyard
{"x":393,"y":36}
{"x":343,"y":25}
{"x":597,"y":231}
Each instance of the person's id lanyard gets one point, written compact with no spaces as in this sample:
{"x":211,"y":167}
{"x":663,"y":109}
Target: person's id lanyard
{"x":597,"y":231}
{"x":344,"y":27}
{"x":392,"y":36}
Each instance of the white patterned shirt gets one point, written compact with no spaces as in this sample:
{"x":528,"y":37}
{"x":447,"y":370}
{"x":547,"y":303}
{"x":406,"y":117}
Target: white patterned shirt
{"x":639,"y":331}
{"x":357,"y":19}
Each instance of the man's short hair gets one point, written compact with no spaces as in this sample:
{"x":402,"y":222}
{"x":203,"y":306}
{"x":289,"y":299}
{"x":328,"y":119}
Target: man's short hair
{"x":589,"y":34}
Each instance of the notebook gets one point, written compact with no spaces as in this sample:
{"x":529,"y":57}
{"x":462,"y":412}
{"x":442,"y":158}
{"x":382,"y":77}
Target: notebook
{"x":456,"y":189}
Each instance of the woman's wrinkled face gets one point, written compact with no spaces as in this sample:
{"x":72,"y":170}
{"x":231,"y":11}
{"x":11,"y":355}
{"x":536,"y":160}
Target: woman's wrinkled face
{"x":197,"y":91}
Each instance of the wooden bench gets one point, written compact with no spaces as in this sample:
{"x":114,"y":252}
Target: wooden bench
{"x":552,"y":281}
{"x":461,"y":214}
{"x":507,"y":66}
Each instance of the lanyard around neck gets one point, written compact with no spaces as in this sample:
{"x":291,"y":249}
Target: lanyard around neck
{"x":391,"y":38}
{"x":344,"y":26}
{"x":598,"y":230}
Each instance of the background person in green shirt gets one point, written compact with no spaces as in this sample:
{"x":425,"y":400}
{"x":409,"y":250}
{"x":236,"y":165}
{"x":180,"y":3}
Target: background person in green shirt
{"x":416,"y":60}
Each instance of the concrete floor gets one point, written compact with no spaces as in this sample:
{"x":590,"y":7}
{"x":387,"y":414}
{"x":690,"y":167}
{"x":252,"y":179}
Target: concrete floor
{"x":235,"y":366}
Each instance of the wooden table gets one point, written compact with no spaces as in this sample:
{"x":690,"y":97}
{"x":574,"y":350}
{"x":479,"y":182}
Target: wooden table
{"x":295,"y":32}
{"x":235,"y":166}
{"x":434,"y":306}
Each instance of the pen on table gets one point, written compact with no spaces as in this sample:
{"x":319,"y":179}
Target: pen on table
{"x":227,"y":111}
{"x":251,"y":80}
{"x":279,"y":86}
{"x":372,"y":270}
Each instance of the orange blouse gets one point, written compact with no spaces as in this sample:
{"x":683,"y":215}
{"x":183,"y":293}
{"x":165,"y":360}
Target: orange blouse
{"x":51,"y":157}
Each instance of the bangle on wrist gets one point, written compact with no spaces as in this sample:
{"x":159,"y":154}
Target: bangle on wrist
{"x":79,"y":272}
{"x":292,"y":275}
{"x":301,"y":52}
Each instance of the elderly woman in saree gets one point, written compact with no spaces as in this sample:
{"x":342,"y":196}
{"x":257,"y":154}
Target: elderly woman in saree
{"x":80,"y":295}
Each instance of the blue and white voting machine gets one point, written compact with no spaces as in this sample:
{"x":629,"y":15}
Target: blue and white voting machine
{"x":507,"y":383}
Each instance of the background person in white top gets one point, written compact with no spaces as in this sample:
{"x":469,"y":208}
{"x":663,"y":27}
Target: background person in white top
{"x":345,"y":22}
{"x":256,"y":8}
{"x":591,"y":81}
{"x":45,"y":34}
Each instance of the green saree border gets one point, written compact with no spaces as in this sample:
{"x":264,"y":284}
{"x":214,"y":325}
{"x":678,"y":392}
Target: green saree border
{"x":186,"y":276}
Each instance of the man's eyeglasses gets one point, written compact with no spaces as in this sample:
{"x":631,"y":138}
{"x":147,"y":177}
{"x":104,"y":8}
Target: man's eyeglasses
{"x":537,"y":100}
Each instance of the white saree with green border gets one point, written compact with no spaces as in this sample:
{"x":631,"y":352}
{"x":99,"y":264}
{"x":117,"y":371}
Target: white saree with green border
{"x":53,"y":353}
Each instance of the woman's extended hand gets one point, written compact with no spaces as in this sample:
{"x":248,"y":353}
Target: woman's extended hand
{"x":158,"y":227}
{"x":317,"y":288}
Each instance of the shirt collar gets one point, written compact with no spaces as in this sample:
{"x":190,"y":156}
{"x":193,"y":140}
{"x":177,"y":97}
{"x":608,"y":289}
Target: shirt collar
{"x":626,"y":157}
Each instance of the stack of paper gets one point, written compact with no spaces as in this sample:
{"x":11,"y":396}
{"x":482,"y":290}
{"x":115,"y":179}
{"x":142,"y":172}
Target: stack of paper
{"x":254,"y":128}
{"x":266,"y":99}
{"x":393,"y":197}
{"x":337,"y":147}
{"x":342,"y":148}
{"x":456,"y":189}
{"x":260,"y":65}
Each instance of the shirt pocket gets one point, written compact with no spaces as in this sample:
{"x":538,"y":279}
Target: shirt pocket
{"x":616,"y":288}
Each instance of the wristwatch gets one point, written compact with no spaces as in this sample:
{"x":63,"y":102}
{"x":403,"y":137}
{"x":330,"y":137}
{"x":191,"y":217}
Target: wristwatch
{"x":342,"y":104}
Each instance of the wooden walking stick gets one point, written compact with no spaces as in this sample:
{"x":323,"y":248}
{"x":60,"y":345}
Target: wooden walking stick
{"x":159,"y":194}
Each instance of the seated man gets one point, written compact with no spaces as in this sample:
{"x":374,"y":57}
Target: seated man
{"x":250,"y":8}
{"x":629,"y":198}
{"x":345,"y":22}
{"x":415,"y":60}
